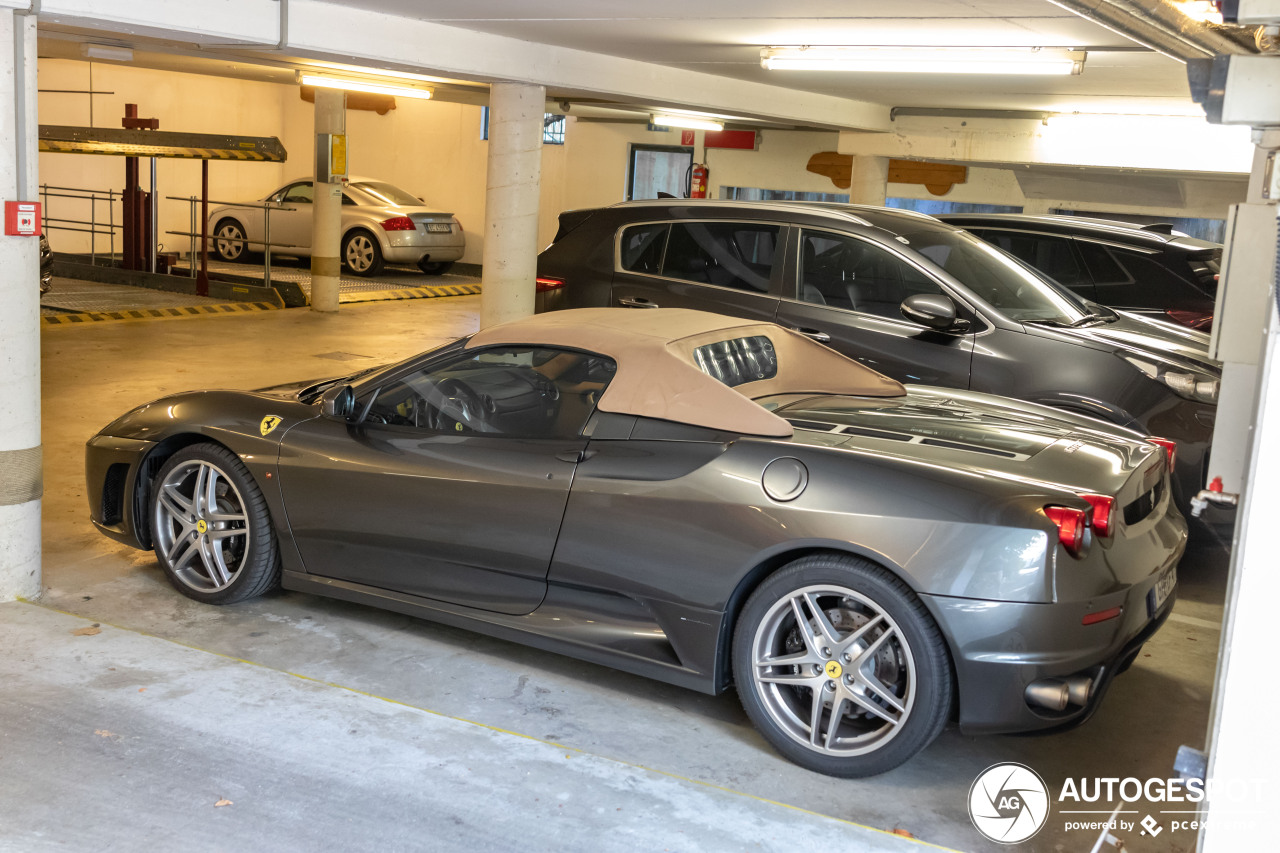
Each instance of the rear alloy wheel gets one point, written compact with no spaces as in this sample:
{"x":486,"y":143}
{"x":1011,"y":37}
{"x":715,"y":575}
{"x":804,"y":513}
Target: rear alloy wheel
{"x":228,"y":240}
{"x":435,"y":267}
{"x":211,"y":527}
{"x":361,"y":254}
{"x":840,"y":666}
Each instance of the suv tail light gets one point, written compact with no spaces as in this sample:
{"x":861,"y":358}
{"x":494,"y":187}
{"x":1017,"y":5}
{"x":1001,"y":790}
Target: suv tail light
{"x":398,"y":223}
{"x":1170,"y":448}
{"x":1071,"y":525}
{"x":547,"y":283}
{"x":1101,"y":516}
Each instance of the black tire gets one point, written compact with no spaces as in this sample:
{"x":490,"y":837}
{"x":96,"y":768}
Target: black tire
{"x":224,"y":237}
{"x":216,"y":554}
{"x":435,"y":267}
{"x":361,"y":254}
{"x":879,"y":646}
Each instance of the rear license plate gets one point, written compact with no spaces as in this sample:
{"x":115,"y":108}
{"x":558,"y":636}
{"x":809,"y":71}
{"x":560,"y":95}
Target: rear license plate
{"x":439,"y":228}
{"x":1159,"y":593}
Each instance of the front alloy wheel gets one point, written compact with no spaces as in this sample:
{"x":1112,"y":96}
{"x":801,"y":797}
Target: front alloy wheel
{"x":228,"y":240}
{"x":840,"y":667}
{"x":211,"y":528}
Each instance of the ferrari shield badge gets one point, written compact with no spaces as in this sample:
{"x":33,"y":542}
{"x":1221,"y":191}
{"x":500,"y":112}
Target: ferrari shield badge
{"x":269,"y":423}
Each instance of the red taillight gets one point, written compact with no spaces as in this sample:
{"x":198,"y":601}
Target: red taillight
{"x":398,"y":223}
{"x":1101,"y":615}
{"x":1101,"y":517}
{"x":545,"y":284}
{"x":1191,"y":319}
{"x":1071,"y":525}
{"x":1170,"y":448}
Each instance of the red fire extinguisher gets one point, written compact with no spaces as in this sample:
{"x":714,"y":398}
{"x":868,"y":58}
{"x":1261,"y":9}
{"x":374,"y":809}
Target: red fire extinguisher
{"x":698,"y":177}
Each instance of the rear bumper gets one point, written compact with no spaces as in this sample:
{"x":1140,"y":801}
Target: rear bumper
{"x":409,"y":247}
{"x":999,"y":648}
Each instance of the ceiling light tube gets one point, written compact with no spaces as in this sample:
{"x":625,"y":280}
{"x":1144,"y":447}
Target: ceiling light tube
{"x":106,"y":51}
{"x":926,"y":59}
{"x":362,"y":86}
{"x":690,"y":122}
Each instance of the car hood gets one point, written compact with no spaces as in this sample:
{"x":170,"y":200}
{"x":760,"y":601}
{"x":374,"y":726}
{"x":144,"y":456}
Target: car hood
{"x":1138,"y":335}
{"x":979,"y":433}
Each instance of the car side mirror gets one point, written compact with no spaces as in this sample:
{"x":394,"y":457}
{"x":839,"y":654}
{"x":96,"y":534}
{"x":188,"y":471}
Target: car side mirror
{"x":338,"y":402}
{"x":934,"y":310}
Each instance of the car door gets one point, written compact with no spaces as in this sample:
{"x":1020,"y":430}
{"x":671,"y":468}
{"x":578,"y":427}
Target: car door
{"x":847,"y":294}
{"x":291,"y":220}
{"x":720,"y":266}
{"x":453,"y":485}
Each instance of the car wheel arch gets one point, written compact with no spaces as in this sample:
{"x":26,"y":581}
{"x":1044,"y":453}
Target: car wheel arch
{"x":148,"y":467}
{"x":766,"y":566}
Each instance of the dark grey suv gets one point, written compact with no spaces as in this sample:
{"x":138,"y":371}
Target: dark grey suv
{"x":915,"y":298}
{"x":1165,"y":275}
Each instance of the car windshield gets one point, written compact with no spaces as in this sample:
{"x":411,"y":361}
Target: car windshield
{"x":388,"y":193}
{"x":997,"y":278}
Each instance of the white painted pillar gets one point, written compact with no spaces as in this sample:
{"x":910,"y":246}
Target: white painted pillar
{"x":326,"y":219}
{"x":21,"y":479}
{"x":511,"y":202}
{"x":870,"y":180}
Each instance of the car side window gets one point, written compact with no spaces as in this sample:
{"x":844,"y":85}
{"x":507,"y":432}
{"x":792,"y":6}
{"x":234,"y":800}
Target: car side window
{"x":728,"y":254}
{"x":846,"y":272}
{"x":641,"y":246}
{"x":299,"y":194}
{"x":1129,"y":278}
{"x":513,"y":391}
{"x":1053,"y":256}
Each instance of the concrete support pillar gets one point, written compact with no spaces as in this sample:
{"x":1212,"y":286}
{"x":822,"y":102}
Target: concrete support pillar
{"x":511,"y":202}
{"x":326,"y":219}
{"x":21,"y":480}
{"x":870,"y":180}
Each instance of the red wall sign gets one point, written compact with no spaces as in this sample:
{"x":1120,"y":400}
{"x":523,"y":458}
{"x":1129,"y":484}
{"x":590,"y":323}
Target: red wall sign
{"x":743,"y":139}
{"x":22,"y":218}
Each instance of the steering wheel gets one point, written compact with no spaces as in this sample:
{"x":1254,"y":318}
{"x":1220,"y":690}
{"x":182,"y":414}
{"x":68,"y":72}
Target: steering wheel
{"x":461,"y":407}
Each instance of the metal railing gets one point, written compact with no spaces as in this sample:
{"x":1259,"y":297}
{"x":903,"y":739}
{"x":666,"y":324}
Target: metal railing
{"x":93,"y":197}
{"x":195,"y":235}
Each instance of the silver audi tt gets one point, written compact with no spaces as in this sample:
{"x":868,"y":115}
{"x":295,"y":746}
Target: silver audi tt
{"x":381,"y":223}
{"x":707,"y":501}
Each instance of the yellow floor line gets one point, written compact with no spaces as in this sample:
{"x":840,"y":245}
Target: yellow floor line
{"x":567,"y":749}
{"x":153,"y":313}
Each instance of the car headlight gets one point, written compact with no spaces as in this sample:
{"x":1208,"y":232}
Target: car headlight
{"x":1190,"y":385}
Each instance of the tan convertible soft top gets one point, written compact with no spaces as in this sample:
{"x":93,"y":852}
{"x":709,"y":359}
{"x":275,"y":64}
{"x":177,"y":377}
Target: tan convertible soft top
{"x":658,"y":376}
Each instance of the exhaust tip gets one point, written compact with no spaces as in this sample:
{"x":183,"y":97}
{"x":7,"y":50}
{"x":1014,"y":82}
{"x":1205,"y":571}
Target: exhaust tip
{"x":1057,"y":694}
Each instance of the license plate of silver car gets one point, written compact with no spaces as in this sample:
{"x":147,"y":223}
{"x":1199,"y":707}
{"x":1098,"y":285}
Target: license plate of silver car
{"x":1159,"y":593}
{"x":439,"y":227}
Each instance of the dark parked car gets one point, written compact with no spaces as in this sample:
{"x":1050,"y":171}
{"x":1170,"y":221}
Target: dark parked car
{"x":692,"y":498}
{"x":914,"y":298}
{"x":1166,"y":275}
{"x":46,"y":265}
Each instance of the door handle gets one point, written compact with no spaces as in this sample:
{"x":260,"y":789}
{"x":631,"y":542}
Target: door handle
{"x":820,"y":337}
{"x":636,"y":302}
{"x":575,"y":455}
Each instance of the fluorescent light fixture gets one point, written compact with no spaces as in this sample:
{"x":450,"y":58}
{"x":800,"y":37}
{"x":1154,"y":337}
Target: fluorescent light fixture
{"x":690,"y":122}
{"x":926,"y":59}
{"x":362,"y":86}
{"x":106,"y":51}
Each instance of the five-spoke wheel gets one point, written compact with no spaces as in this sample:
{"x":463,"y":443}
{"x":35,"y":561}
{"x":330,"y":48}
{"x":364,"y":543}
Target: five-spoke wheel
{"x":840,"y":666}
{"x":361,"y":254}
{"x":211,"y":528}
{"x":228,"y":240}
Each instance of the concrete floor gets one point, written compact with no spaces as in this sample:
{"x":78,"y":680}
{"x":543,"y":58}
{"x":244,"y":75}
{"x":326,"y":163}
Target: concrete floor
{"x":336,"y":726}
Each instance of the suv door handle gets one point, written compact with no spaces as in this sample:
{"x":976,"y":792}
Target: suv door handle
{"x":636,"y":302}
{"x":820,"y":337}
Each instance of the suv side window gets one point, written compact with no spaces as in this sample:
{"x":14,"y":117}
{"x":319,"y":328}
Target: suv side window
{"x":728,"y":254}
{"x":1053,"y":256}
{"x":846,"y":272}
{"x":517,"y":391}
{"x":1130,"y":278}
{"x":641,"y":248}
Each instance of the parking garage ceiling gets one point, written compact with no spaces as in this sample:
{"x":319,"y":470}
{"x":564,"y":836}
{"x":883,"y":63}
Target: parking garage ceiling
{"x":663,"y":53}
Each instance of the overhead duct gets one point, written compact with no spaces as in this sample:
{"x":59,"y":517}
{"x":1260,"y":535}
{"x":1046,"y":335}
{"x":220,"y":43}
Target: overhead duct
{"x":1162,"y":27}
